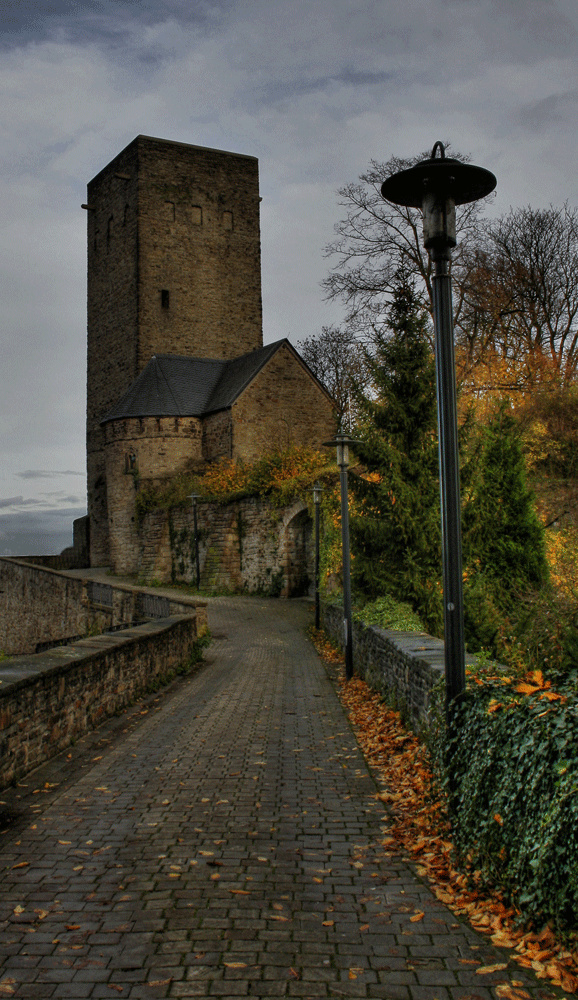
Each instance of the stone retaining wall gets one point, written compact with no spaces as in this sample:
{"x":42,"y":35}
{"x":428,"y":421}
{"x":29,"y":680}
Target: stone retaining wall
{"x":404,"y":666}
{"x":41,"y":606}
{"x":50,"y":700}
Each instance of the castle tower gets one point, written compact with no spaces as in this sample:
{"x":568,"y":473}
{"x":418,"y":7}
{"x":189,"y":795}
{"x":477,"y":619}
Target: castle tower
{"x":174,"y":267}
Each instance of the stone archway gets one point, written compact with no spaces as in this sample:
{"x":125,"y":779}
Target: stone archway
{"x":297,"y":539}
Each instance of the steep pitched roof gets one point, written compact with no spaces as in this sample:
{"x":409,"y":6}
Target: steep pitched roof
{"x":171,"y":385}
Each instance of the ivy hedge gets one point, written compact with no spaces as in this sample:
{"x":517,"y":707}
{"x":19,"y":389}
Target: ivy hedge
{"x":513,"y":770}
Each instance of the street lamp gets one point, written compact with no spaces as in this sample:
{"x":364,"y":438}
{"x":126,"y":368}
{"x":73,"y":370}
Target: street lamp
{"x":317,"y":491}
{"x":436,"y":186}
{"x":194,"y":497}
{"x":342,"y":442}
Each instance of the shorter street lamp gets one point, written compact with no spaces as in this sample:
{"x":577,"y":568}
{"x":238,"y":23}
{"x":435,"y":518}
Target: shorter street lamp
{"x":436,"y":186}
{"x":317,"y":491}
{"x":194,"y":497}
{"x":342,"y":442}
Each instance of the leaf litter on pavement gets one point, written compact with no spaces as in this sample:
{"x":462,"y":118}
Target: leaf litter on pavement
{"x":420,"y":828}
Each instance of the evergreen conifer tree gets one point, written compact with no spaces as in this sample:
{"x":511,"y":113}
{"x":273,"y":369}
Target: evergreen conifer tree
{"x":503,"y":534}
{"x":395,"y":525}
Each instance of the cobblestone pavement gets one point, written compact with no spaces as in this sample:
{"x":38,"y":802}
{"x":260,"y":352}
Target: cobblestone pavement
{"x":224,"y":841}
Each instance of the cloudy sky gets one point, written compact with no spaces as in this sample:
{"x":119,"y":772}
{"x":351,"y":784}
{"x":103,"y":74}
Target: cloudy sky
{"x":313,"y":88}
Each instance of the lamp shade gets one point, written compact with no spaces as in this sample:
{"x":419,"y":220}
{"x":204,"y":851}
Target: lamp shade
{"x":441,"y":176}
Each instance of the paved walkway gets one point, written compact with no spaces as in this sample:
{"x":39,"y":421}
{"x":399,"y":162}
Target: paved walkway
{"x":224,"y":841}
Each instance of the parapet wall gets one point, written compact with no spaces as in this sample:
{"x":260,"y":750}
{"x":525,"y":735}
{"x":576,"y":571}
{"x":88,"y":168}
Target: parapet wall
{"x":52,"y":699}
{"x":42,"y":607}
{"x":404,"y":666}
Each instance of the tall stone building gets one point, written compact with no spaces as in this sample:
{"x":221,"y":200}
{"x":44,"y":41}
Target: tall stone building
{"x":177,"y":374}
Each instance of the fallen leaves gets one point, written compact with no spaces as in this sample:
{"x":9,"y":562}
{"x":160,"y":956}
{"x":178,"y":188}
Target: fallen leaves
{"x":511,"y":992}
{"x":418,"y":826}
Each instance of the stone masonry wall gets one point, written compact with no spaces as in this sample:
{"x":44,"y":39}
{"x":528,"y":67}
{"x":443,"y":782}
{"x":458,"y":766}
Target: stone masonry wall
{"x":243,"y":546}
{"x":405,"y":666}
{"x":112,"y":235}
{"x":282,"y":406}
{"x":50,"y":700}
{"x":42,"y":607}
{"x":199,"y":241}
{"x":217,"y":436}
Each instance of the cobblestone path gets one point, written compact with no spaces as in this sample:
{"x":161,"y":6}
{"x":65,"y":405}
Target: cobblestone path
{"x":226,"y":843}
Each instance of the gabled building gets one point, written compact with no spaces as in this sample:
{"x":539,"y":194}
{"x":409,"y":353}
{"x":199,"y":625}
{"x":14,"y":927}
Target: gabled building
{"x":178,"y":376}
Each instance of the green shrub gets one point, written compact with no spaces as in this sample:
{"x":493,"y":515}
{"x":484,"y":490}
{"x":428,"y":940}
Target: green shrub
{"x":386,"y":612}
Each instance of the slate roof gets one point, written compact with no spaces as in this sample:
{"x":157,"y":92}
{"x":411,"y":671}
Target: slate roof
{"x":174,"y":386}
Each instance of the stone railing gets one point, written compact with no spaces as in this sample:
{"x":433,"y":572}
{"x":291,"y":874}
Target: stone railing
{"x":404,"y":666}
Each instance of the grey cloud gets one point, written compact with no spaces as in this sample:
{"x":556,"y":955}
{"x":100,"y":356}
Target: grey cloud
{"x":100,"y":20}
{"x":11,"y":501}
{"x":46,"y":474}
{"x":556,"y":108}
{"x":20,"y":502}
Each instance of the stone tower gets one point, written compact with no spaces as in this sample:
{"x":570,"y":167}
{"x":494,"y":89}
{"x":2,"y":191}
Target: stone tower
{"x":174,"y":267}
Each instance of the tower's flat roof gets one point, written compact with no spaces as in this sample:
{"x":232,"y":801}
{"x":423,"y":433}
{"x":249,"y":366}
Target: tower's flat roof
{"x":172,"y":142}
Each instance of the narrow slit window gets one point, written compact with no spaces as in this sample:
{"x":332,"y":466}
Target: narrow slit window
{"x":165,"y":298}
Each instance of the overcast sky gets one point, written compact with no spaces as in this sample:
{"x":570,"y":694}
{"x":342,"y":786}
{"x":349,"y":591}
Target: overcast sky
{"x":313,"y":88}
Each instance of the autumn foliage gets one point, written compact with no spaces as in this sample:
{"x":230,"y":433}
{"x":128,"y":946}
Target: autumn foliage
{"x":282,"y":475}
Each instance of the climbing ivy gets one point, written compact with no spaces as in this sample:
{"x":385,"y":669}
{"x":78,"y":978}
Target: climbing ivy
{"x":513,"y":768}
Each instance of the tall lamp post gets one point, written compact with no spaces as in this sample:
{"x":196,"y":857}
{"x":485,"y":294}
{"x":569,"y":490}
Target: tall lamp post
{"x":194,"y":497}
{"x":342,"y":441}
{"x":436,"y":186}
{"x":317,"y":491}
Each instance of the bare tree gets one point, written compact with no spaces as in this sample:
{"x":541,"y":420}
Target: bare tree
{"x":337,"y":358}
{"x":378,"y":244}
{"x":515,"y":281}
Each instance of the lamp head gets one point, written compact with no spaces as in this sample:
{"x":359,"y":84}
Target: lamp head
{"x":341,"y":441}
{"x":436,"y":186}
